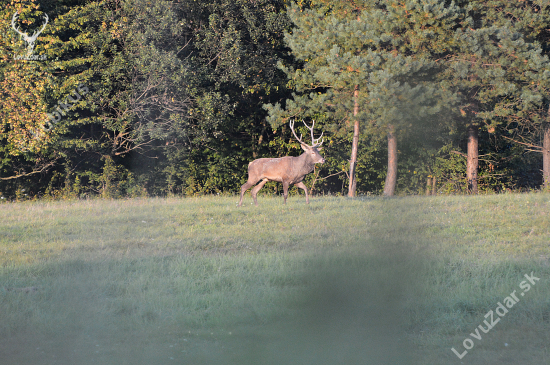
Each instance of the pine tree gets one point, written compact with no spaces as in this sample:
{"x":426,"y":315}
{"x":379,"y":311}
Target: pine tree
{"x":498,"y":68}
{"x":368,"y":62}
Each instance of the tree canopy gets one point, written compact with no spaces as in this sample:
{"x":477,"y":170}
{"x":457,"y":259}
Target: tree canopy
{"x":137,"y":97}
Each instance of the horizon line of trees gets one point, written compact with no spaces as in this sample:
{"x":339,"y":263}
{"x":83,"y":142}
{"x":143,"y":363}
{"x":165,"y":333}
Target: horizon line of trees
{"x":181,"y":95}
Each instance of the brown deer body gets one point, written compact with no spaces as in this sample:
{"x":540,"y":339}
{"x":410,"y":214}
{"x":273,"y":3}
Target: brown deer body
{"x":287,"y":170}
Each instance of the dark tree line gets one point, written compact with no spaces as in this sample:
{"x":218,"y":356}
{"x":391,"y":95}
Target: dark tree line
{"x":181,"y":95}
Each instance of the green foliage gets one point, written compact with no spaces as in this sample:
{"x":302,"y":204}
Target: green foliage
{"x":364,"y":46}
{"x":171,"y":89}
{"x":183,"y":95}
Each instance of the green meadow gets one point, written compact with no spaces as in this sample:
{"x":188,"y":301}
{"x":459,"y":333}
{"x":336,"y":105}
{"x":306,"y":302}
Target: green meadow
{"x":339,"y":281}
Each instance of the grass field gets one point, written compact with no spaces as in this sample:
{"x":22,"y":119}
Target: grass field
{"x":338,"y":281}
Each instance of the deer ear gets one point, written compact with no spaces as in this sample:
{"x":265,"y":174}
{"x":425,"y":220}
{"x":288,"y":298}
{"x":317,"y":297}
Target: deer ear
{"x":319,"y":148}
{"x":305,"y":147}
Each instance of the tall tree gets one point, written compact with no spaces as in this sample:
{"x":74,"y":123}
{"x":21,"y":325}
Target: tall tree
{"x":326,"y":89}
{"x":546,"y":156}
{"x":238,"y":45}
{"x":497,"y":66}
{"x":374,"y":55}
{"x":354,"y":145}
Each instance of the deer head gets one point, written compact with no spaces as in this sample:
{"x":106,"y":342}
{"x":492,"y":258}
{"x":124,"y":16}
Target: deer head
{"x":29,"y":39}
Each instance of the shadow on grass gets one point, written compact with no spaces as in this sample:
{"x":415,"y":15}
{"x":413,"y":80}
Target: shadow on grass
{"x":342,"y":309}
{"x":351,"y":313}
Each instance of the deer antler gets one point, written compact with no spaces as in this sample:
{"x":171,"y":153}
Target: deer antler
{"x":291,"y":123}
{"x":314,"y":142}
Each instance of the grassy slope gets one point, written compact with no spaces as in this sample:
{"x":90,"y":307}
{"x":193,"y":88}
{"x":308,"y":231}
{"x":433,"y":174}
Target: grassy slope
{"x":200,"y":281}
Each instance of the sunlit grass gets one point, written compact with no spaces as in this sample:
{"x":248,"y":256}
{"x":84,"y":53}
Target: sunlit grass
{"x":201,"y":281}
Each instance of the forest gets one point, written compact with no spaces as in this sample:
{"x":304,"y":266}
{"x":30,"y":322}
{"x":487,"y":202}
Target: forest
{"x":131,"y":98}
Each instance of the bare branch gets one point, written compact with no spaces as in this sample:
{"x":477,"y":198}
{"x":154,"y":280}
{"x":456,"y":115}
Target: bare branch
{"x":460,"y":153}
{"x":537,"y":148}
{"x":331,"y":175}
{"x":51,"y":163}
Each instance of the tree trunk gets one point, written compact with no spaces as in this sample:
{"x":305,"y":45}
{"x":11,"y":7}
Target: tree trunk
{"x":354,"y":145}
{"x":472,"y":161}
{"x":391,"y":177}
{"x":546,"y":157}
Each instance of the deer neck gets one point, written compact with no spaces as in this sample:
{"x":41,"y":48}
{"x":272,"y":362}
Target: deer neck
{"x":305,"y":163}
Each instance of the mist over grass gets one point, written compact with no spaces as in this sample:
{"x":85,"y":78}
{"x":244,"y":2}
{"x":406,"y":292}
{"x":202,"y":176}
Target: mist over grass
{"x":200,"y":281}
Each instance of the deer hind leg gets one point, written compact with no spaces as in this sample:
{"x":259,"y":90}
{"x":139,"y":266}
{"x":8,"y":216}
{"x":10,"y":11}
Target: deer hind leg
{"x":285,"y":191}
{"x":256,"y":189}
{"x":244,"y":188}
{"x":302,"y":186}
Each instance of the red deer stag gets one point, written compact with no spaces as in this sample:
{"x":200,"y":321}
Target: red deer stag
{"x":287,"y":170}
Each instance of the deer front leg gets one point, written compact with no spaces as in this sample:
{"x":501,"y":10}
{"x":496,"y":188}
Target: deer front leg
{"x":285,"y":191}
{"x":302,"y":186}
